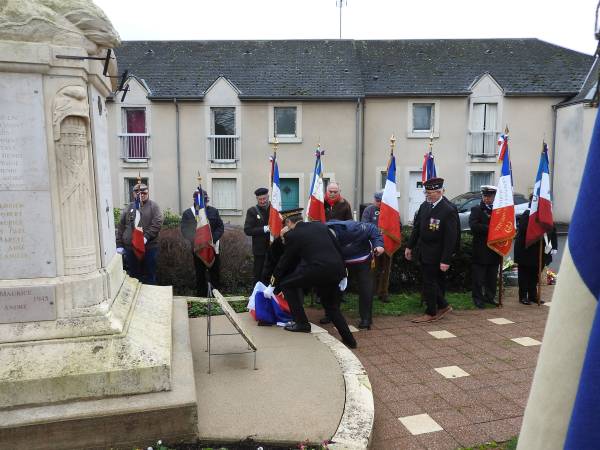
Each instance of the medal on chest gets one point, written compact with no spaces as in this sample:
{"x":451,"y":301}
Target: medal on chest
{"x":434,"y":224}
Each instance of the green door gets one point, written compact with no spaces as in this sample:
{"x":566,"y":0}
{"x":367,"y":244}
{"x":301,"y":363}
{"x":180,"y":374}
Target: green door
{"x":290,"y":193}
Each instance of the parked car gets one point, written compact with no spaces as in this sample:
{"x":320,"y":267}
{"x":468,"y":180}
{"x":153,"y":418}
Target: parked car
{"x":466,"y":201}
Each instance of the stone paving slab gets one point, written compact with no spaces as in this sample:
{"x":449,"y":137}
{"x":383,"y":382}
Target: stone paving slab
{"x":400,"y":358}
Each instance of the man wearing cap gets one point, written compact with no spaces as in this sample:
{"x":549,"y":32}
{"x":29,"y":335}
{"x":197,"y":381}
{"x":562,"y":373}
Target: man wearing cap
{"x":485,"y":261}
{"x":336,"y":207}
{"x":383,"y":262}
{"x":151,"y":221}
{"x":311,"y":259}
{"x":434,"y":235}
{"x":188,"y":230}
{"x":257,"y":226}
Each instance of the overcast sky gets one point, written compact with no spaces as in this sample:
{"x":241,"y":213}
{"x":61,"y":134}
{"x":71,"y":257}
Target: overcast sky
{"x":569,"y":23}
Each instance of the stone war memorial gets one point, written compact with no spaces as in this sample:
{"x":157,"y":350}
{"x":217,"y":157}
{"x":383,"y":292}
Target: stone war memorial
{"x":88,"y":356}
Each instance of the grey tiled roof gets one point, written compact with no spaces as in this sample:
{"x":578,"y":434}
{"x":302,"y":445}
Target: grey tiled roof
{"x":268,"y":69}
{"x":306,"y":69}
{"x":589,"y":84}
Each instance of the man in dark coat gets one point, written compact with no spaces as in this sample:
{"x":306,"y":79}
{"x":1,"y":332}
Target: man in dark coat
{"x":188,"y":229}
{"x":336,"y":206}
{"x":485,"y":262}
{"x":257,"y":226}
{"x":434,"y":235}
{"x":528,"y":259}
{"x":311,"y":259}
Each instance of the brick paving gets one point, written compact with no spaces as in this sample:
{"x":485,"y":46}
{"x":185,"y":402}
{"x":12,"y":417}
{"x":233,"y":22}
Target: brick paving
{"x":401,"y":357}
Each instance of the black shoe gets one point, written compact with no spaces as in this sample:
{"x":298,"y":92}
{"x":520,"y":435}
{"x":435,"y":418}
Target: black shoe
{"x":324,"y":320}
{"x":524,"y":301}
{"x":350,"y":342}
{"x":364,"y":324}
{"x":298,"y":327}
{"x":262,"y":323}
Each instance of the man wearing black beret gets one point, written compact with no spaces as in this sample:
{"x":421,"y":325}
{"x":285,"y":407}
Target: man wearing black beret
{"x":257,"y":226}
{"x":435,"y":235}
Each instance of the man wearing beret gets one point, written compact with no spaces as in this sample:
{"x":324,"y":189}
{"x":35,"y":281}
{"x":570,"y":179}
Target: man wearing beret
{"x":435,"y":236}
{"x":257,"y":226}
{"x":485,"y":261}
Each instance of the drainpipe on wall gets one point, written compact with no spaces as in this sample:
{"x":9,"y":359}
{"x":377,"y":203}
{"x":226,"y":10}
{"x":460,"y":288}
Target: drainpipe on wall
{"x":554,"y":116}
{"x":359,"y":159}
{"x":177,"y":151}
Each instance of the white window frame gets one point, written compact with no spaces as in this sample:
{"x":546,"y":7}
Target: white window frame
{"x":481,"y":170}
{"x":237,"y":211}
{"x":285,"y":139}
{"x":492,"y":131}
{"x":122,"y":127}
{"x":123,"y":176}
{"x":423,"y":134}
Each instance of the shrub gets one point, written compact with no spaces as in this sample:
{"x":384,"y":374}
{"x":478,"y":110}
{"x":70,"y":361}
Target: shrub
{"x":170,"y":219}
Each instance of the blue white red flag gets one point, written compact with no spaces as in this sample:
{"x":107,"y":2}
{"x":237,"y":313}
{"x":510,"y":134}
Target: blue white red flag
{"x":540,"y":216}
{"x":203,"y":243}
{"x":563,"y":411}
{"x":428,"y":167}
{"x":502,"y":222}
{"x":275,"y":210}
{"x":315,"y":211}
{"x":137,"y":234}
{"x":389,"y":213}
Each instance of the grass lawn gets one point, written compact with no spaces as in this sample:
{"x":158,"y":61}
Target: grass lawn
{"x":508,"y":445}
{"x":406,"y":303}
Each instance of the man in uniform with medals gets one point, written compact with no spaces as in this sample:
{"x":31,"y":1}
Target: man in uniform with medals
{"x":257,"y":226}
{"x":434,"y":236}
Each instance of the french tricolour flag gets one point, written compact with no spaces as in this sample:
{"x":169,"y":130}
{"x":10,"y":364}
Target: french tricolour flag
{"x":428,"y":171}
{"x":137,"y":235}
{"x":315,"y":210}
{"x":540,"y":217}
{"x":502,"y":222}
{"x":203,"y":243}
{"x":274,"y":212}
{"x":563,"y":410}
{"x":389,"y":214}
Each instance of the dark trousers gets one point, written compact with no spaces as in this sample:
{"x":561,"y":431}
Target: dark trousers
{"x":144,"y":270}
{"x":259,"y":263}
{"x":330,"y":299}
{"x":201,"y":278}
{"x":434,"y":288}
{"x":485,"y":278}
{"x":528,"y":278}
{"x":295,"y":299}
{"x":361,"y":272}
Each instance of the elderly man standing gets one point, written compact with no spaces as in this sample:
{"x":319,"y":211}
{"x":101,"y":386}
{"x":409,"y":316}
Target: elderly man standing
{"x":434,"y":234}
{"x":383,"y":262}
{"x":257,"y":226}
{"x":336,"y":207}
{"x":144,"y":268}
{"x":485,"y":261}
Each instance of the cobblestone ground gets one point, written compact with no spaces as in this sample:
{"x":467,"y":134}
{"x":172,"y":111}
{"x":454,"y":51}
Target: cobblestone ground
{"x":486,"y":404}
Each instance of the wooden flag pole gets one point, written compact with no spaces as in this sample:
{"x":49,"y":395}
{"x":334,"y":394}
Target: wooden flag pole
{"x":539,"y":278}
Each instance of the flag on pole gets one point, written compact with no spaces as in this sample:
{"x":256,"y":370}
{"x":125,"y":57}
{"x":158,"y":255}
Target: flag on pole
{"x":502,"y":222}
{"x":389,"y":214}
{"x":428,"y":167}
{"x":203,"y":243}
{"x":275,"y":210}
{"x":315,"y":210}
{"x":137,"y":235}
{"x":540,"y":216}
{"x":563,"y":409}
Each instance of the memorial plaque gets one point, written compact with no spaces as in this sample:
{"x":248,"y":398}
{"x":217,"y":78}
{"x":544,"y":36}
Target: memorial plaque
{"x":26,"y":235}
{"x":27,"y":304}
{"x":103,"y":183}
{"x":23,"y":155}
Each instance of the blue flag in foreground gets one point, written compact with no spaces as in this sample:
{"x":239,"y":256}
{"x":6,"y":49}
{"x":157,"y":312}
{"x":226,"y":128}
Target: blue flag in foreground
{"x":563,"y":410}
{"x":584,"y":245}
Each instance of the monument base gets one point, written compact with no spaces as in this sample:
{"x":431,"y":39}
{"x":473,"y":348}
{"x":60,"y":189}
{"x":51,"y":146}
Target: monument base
{"x":135,"y":361}
{"x":122,"y":422}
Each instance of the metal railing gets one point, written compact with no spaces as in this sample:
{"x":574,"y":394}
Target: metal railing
{"x":484,"y":143}
{"x":223,"y":148}
{"x":135,"y":146}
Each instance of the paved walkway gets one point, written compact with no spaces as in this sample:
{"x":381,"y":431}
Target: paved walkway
{"x":467,"y":386}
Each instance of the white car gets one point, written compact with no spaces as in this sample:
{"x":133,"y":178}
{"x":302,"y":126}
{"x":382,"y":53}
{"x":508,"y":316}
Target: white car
{"x":466,"y":201}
